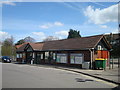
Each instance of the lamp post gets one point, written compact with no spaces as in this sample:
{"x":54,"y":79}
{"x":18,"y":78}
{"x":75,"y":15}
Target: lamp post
{"x":119,"y":32}
{"x":0,"y":48}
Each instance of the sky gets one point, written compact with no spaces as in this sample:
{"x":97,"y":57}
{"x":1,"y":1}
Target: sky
{"x":42,"y":19}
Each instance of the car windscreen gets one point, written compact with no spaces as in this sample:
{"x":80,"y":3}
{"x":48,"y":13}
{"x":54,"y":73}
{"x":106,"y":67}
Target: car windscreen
{"x":6,"y":57}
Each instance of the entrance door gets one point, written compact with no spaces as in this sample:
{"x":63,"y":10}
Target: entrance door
{"x":29,"y":57}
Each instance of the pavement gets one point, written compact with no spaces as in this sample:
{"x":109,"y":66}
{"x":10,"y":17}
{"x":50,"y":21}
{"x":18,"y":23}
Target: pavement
{"x":109,"y":75}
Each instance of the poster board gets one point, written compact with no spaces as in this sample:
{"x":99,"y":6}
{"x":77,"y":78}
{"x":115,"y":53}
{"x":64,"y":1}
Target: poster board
{"x":76,"y":58}
{"x":62,"y":58}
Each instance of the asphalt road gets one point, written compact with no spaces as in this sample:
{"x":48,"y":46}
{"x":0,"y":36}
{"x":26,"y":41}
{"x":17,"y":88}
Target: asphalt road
{"x":26,"y":76}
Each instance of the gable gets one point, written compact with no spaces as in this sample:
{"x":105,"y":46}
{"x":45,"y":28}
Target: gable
{"x":103,"y":45}
{"x":28,"y":48}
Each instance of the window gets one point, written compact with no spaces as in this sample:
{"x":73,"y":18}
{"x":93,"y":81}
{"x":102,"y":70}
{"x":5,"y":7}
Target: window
{"x":54,"y":56}
{"x":33,"y":55}
{"x":99,"y":47}
{"x":41,"y":55}
{"x":76,"y":58}
{"x":18,"y":56}
{"x":62,"y":58}
{"x":46,"y":55}
{"x":23,"y":55}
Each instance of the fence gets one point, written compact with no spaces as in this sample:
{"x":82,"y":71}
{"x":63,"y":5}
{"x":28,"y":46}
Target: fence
{"x":114,"y":63}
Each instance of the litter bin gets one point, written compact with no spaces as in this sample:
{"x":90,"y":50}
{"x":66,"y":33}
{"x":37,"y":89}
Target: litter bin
{"x":100,"y":63}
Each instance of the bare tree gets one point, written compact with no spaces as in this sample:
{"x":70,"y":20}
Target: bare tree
{"x":8,"y":41}
{"x":51,"y":38}
{"x":29,"y":39}
{"x":7,"y":48}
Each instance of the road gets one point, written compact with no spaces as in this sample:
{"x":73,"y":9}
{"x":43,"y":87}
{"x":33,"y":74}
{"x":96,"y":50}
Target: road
{"x":26,"y":76}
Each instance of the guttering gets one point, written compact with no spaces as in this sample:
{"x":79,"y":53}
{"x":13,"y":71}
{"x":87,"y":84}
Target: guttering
{"x":63,"y":49}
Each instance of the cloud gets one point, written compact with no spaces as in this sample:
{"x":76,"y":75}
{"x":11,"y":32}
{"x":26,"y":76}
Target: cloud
{"x":3,"y":35}
{"x":104,"y":26}
{"x":58,"y":24}
{"x":102,"y":16}
{"x":49,"y":25}
{"x":62,"y":34}
{"x":39,"y":35}
{"x":46,"y":26}
{"x":7,"y":3}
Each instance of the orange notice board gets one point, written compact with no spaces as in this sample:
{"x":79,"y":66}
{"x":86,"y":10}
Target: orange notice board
{"x":102,"y":54}
{"x":105,"y":54}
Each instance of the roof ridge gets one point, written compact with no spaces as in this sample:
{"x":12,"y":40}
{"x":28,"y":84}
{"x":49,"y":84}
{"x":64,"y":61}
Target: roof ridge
{"x":72,"y":38}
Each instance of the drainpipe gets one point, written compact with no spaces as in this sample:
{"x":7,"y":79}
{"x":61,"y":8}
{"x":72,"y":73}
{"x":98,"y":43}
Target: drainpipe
{"x":91,"y":55}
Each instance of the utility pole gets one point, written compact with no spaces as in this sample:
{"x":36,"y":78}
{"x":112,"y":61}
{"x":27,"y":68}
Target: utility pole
{"x":0,"y":48}
{"x":119,"y":32}
{"x":111,"y":42}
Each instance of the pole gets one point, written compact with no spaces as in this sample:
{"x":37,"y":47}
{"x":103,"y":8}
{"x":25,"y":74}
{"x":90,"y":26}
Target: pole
{"x":0,"y":48}
{"x":118,"y":62}
{"x":91,"y":59}
{"x":112,"y":63}
{"x":0,"y":52}
{"x":109,"y":59}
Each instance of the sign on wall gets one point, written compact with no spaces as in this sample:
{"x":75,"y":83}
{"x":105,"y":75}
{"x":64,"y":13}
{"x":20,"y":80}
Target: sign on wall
{"x":76,"y":58}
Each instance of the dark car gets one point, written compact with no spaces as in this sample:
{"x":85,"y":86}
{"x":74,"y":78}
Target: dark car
{"x":6,"y":59}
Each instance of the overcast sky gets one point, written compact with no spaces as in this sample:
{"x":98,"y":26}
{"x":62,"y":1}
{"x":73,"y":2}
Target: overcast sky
{"x":42,"y":19}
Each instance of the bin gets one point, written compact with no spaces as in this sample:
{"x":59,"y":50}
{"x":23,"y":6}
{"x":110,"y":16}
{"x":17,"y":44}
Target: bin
{"x":100,"y":63}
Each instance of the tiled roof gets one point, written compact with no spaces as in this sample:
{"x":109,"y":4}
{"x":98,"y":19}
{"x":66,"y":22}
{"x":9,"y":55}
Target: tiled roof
{"x":73,"y":43}
{"x":18,"y":46}
{"x":21,"y":48}
{"x":66,"y":44}
{"x":37,"y":46}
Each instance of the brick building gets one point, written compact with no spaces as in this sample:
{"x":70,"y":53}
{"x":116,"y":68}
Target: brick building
{"x":71,"y":52}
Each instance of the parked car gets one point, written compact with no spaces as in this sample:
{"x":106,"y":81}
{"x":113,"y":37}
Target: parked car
{"x":6,"y":59}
